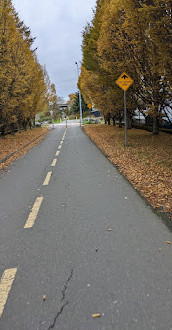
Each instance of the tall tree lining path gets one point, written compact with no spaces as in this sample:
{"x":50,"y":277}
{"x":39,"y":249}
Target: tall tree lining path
{"x":75,"y":240}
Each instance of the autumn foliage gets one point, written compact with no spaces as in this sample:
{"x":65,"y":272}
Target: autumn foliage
{"x":128,"y":36}
{"x":23,"y":82}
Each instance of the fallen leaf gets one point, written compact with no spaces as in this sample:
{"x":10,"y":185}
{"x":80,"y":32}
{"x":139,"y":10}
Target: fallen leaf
{"x":109,"y":229}
{"x":168,"y":242}
{"x":96,"y":250}
{"x":44,"y":297}
{"x":160,"y":250}
{"x":13,"y":143}
{"x":96,"y":315}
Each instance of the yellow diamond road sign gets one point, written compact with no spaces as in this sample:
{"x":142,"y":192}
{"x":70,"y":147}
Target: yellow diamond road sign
{"x":89,"y":105}
{"x":124,"y":81}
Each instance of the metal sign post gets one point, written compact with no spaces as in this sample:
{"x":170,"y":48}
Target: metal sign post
{"x":90,"y":107}
{"x":80,"y":100}
{"x":125,"y":118}
{"x":124,"y":82}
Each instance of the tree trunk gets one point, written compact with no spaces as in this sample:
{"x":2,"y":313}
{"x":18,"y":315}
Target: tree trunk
{"x":30,"y":124}
{"x":18,"y":127}
{"x":33,"y":122}
{"x":3,"y":131}
{"x":155,"y":125}
{"x":24,"y":125}
{"x":108,"y":119}
{"x":129,"y":121}
{"x":113,"y":118}
{"x":120,"y":122}
{"x":105,"y":119}
{"x":12,"y":129}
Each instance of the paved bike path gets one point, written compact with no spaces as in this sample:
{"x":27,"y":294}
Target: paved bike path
{"x":70,"y":256}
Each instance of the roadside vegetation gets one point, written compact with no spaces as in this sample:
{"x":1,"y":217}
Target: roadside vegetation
{"x":25,"y":88}
{"x":146,"y":162}
{"x":134,"y":37}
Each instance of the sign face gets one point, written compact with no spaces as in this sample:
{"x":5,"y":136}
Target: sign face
{"x":124,"y":81}
{"x":89,"y":105}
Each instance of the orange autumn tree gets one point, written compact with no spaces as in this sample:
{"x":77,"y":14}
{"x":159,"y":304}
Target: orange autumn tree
{"x":95,"y":75}
{"x":22,"y":81}
{"x":128,"y":35}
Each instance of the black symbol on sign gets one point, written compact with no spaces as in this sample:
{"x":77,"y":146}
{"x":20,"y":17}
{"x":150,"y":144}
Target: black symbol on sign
{"x":124,"y":76}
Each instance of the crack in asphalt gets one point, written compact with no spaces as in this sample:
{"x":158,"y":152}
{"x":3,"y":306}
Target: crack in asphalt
{"x":62,"y":299}
{"x":55,"y":319}
{"x":66,"y":285}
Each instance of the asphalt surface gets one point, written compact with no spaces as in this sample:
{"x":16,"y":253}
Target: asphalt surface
{"x":69,"y":255}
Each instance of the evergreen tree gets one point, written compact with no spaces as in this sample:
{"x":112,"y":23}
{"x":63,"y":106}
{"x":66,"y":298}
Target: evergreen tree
{"x":76,"y":107}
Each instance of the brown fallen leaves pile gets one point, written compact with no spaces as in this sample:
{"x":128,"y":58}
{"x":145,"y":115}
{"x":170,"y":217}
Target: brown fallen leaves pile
{"x":12,"y":143}
{"x":146,"y":162}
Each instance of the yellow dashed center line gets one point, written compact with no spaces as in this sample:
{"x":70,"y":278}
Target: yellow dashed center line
{"x":5,"y":286}
{"x":54,"y":162}
{"x":47,"y":179}
{"x":33,"y":214}
{"x":9,"y":274}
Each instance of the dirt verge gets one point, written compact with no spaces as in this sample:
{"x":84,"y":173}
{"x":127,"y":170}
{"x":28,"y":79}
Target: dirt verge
{"x":14,"y":146}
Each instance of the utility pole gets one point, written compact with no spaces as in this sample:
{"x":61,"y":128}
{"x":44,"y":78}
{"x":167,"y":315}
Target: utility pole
{"x":80,"y":104}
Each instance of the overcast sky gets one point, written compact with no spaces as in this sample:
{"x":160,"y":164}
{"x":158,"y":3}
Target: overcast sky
{"x":57,"y":26}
